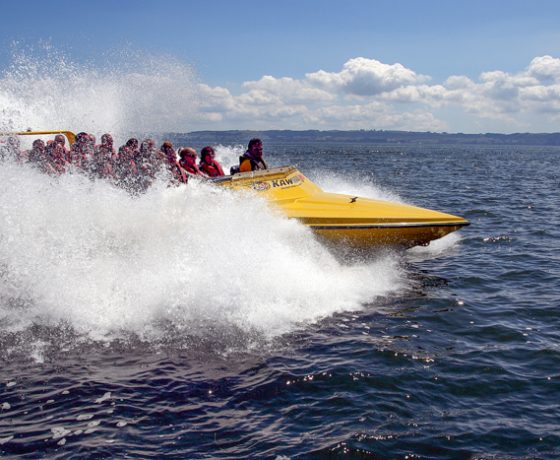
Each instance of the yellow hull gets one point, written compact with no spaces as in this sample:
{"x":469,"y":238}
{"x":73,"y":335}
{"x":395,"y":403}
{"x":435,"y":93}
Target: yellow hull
{"x":345,"y":220}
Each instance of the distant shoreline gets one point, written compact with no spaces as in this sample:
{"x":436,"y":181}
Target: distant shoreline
{"x":373,"y":136}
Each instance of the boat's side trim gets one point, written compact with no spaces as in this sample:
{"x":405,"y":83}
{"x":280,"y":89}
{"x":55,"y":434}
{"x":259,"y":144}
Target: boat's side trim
{"x":391,"y":225}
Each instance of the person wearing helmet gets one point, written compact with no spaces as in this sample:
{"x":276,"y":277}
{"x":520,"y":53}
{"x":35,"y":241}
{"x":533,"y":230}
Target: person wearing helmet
{"x":208,"y":164}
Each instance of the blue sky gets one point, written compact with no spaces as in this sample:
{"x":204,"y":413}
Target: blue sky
{"x":232,"y":45}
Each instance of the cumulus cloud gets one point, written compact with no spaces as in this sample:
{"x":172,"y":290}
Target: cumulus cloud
{"x":366,"y":77}
{"x":545,"y":68}
{"x":289,"y":89}
{"x":379,"y":115}
{"x":369,"y":94}
{"x":535,"y":89}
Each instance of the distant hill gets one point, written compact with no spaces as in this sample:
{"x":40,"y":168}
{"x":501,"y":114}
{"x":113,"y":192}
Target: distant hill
{"x":365,"y":136}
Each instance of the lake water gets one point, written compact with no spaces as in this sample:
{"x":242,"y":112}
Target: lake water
{"x":199,"y":324}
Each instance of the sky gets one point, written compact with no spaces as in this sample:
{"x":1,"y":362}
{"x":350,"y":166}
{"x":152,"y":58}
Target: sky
{"x":444,"y":66}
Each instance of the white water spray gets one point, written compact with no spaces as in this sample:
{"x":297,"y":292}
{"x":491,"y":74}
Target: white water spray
{"x":88,"y":254}
{"x":140,"y":93}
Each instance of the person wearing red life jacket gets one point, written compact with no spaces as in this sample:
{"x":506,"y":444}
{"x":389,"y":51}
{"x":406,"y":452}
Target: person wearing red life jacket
{"x":125,"y":170}
{"x":38,"y":155}
{"x":208,"y":164}
{"x":178,"y":174}
{"x":56,"y":158}
{"x":147,"y":158}
{"x":125,"y":164}
{"x":80,"y":150}
{"x":61,"y":141}
{"x":105,"y":155}
{"x":188,"y":162}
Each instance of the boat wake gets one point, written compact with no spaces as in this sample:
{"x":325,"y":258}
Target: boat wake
{"x":172,"y":264}
{"x":355,"y":184}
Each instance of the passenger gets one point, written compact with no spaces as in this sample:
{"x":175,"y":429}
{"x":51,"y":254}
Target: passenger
{"x":80,"y":151}
{"x":147,"y":155}
{"x":188,"y":161}
{"x":104,"y":157}
{"x":56,"y":157}
{"x":252,"y":160}
{"x":61,"y":140}
{"x":124,"y":168}
{"x":178,"y":174}
{"x":106,"y":147}
{"x":161,"y":157}
{"x":208,"y":164}
{"x":90,"y":145}
{"x":148,"y":149}
{"x":37,"y":155}
{"x":166,"y":151}
{"x":130,"y":148}
{"x":48,"y":165}
{"x":148,"y":163}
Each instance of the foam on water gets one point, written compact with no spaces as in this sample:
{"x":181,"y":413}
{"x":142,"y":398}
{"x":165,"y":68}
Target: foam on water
{"x":228,"y":155}
{"x":352,"y":184}
{"x":436,"y":248}
{"x":89,"y":255}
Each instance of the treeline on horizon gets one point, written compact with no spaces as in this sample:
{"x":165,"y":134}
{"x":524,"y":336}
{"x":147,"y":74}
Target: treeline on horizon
{"x":367,"y":136}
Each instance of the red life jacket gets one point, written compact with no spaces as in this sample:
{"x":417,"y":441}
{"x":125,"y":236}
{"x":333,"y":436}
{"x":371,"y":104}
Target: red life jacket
{"x":178,"y":174}
{"x":191,"y":169}
{"x":213,"y":169}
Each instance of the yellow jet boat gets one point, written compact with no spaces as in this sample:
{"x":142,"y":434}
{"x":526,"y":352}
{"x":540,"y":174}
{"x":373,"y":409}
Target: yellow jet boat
{"x":345,"y":220}
{"x":341,"y":220}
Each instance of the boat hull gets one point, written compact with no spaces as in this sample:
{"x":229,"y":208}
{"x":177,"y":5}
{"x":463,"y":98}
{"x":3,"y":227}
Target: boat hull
{"x":364,"y":237}
{"x":345,"y":220}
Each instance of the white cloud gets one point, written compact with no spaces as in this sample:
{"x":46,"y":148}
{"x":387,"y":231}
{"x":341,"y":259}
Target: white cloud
{"x":434,"y":95}
{"x":366,"y":77}
{"x":375,"y":115}
{"x":368,"y":94}
{"x":289,"y":89}
{"x":545,"y":68}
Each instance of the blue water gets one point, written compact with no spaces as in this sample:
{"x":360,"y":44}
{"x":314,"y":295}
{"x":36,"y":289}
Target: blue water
{"x":461,"y":360}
